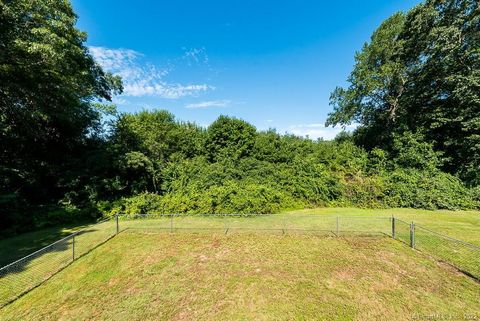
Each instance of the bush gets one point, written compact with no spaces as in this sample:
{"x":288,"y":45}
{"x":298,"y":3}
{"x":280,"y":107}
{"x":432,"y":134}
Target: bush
{"x":286,"y":172}
{"x":139,"y":204}
{"x":428,"y":190}
{"x":363,"y":191}
{"x":230,"y":198}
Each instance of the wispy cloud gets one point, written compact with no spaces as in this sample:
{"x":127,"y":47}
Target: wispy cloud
{"x":315,"y":131}
{"x":142,"y":78}
{"x":119,"y":101}
{"x":196,"y":55}
{"x":114,"y":59}
{"x":209,"y":104}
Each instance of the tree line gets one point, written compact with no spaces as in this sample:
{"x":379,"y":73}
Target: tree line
{"x":66,"y":154}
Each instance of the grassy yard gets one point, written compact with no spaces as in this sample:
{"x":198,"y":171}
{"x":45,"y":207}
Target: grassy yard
{"x":189,"y":276}
{"x":325,"y":222}
{"x":16,"y":247}
{"x":30,"y":272}
{"x":464,"y":225}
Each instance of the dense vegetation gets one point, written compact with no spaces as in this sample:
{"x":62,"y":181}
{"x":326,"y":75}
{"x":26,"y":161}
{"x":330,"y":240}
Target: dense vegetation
{"x":420,"y":76}
{"x":62,"y":159}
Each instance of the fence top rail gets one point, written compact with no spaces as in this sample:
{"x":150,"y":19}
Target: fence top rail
{"x":255,"y":215}
{"x":472,"y":246}
{"x":52,"y":244}
{"x":401,"y":221}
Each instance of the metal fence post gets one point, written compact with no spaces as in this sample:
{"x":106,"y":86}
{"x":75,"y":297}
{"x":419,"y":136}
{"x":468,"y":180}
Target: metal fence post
{"x":338,"y":226}
{"x":225,"y":224}
{"x":393,"y":227}
{"x":412,"y":235}
{"x":171,"y":223}
{"x":73,"y":248}
{"x":116,"y":219}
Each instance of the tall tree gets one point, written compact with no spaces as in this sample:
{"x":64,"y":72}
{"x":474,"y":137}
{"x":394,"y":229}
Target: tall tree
{"x":420,"y":73}
{"x":229,"y":137}
{"x":50,"y":87}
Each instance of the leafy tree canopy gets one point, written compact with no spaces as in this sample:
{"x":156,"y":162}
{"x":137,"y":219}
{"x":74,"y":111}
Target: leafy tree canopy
{"x":414,"y":90}
{"x":50,"y":87}
{"x":230,"y":138}
{"x":420,"y":73}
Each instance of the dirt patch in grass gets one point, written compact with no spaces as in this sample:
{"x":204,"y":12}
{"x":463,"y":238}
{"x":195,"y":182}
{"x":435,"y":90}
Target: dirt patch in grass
{"x":139,"y":276}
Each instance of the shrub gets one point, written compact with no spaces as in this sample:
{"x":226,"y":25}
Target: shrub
{"x":139,"y":204}
{"x":427,"y":189}
{"x":230,"y":198}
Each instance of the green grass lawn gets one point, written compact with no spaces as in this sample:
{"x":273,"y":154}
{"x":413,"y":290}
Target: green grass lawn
{"x":18,"y":246}
{"x":28,"y":273}
{"x":343,"y":222}
{"x":464,"y":225}
{"x":326,"y":222}
{"x":244,"y":276}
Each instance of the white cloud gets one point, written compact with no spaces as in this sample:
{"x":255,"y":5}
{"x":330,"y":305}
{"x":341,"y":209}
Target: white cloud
{"x":196,"y":55}
{"x":315,"y":131}
{"x":119,"y":101}
{"x":208,"y":104}
{"x":142,"y":78}
{"x":114,"y":59}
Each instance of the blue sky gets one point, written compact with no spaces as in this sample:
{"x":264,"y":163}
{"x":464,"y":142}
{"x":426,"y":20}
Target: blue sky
{"x":271,"y":63}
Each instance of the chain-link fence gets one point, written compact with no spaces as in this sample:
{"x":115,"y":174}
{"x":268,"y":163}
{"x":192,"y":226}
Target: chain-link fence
{"x":25,"y":274}
{"x":459,"y":254}
{"x":274,"y":223}
{"x":464,"y":256}
{"x":32,"y":270}
{"x":401,"y":230}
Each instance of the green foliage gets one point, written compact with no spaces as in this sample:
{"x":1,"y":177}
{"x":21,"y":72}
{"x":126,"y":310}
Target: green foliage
{"x":144,"y":143}
{"x":157,"y":135}
{"x":377,"y":80}
{"x":138,"y":172}
{"x":287,"y":171}
{"x":378,"y":161}
{"x":229,"y":138}
{"x":414,"y":91}
{"x":143,"y":203}
{"x":231,"y":197}
{"x":280,"y":172}
{"x":420,"y":74}
{"x":50,"y":87}
{"x":428,"y":190}
{"x":410,"y":151}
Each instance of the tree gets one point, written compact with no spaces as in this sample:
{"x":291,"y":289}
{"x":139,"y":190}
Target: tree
{"x":157,"y":135}
{"x":420,"y":73}
{"x":229,"y":138}
{"x":377,"y":83}
{"x":50,"y":87}
{"x":145,"y":142}
{"x":147,"y":132}
{"x":441,"y":51}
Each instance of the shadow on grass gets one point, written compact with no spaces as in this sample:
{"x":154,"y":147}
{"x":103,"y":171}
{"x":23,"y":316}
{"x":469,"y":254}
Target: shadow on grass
{"x":16,"y":247}
{"x":63,"y":245}
{"x":54,"y":272}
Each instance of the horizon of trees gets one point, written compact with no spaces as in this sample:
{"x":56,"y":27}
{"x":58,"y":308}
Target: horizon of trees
{"x":67,"y":155}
